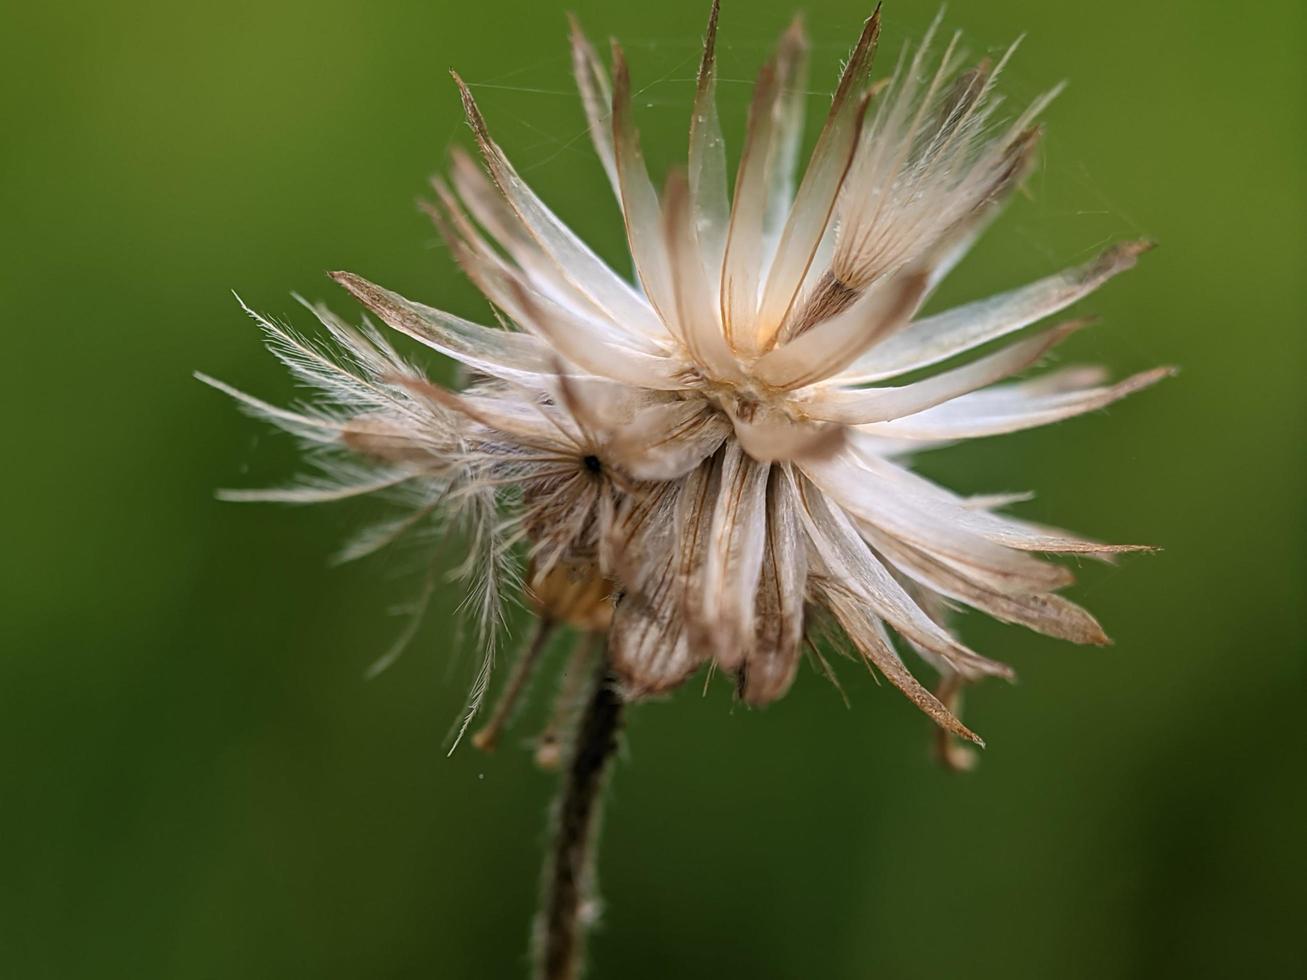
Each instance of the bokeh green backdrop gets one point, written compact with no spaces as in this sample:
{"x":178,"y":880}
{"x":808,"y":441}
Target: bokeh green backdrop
{"x":195,"y":779}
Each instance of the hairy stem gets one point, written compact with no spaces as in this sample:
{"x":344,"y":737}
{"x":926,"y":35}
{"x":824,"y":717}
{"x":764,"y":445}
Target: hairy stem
{"x":551,"y":741}
{"x":568,"y":906}
{"x":488,"y":737}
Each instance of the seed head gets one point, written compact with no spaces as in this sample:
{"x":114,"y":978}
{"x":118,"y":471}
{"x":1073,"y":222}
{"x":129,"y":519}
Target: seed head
{"x":713,"y":461}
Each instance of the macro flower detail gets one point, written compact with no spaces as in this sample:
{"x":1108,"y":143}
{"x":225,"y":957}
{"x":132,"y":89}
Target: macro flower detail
{"x":707,"y":461}
{"x":709,"y":464}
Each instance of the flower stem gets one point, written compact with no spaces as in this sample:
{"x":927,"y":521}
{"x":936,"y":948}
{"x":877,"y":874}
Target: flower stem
{"x":569,"y":903}
{"x":488,"y":737}
{"x":576,"y":676}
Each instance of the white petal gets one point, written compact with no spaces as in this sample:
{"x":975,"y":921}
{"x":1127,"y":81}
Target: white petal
{"x":810,"y":213}
{"x":773,"y":658}
{"x":499,"y":353}
{"x":742,"y":265}
{"x":575,"y":260}
{"x":821,"y":351}
{"x":937,"y":338}
{"x":929,"y":170}
{"x":584,"y":341}
{"x":1007,"y":531}
{"x":665,"y":441}
{"x":782,"y":171}
{"x":852,"y":564}
{"x":647,"y":644}
{"x":1010,"y":408}
{"x":733,"y":562}
{"x":640,"y":207}
{"x":696,"y":313}
{"x":1043,"y":612}
{"x":860,"y":490}
{"x":775,"y":437}
{"x":693,"y":521}
{"x":710,"y":202}
{"x":596,"y":99}
{"x":852,"y":406}
{"x":475,"y":254}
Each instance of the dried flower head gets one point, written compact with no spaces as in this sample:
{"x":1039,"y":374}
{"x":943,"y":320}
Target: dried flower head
{"x":711,"y":462}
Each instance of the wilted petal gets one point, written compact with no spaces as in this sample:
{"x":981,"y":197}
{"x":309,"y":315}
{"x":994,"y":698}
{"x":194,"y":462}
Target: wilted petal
{"x":574,"y":258}
{"x":814,"y":203}
{"x":937,"y":338}
{"x":930,"y":171}
{"x":1017,"y":160}
{"x":665,"y":441}
{"x":773,"y":658}
{"x":693,"y":521}
{"x":733,"y":562}
{"x":852,"y":406}
{"x":782,"y":171}
{"x":865,"y":633}
{"x":596,"y":98}
{"x":586,"y":343}
{"x":1010,"y":408}
{"x":647,"y":645}
{"x":640,"y":208}
{"x":821,"y":351}
{"x":884,"y":184}
{"x":696,"y":313}
{"x":693,"y":465}
{"x":387,"y":440}
{"x":851,"y":563}
{"x":742,"y":265}
{"x":318,"y":492}
{"x":489,"y":270}
{"x":771,"y":437}
{"x":1007,"y":531}
{"x":1045,"y":613}
{"x":853,"y":485}
{"x":498,"y":353}
{"x":709,"y":200}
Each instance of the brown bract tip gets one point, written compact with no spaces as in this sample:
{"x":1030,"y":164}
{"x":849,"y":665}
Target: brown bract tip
{"x":355,"y":284}
{"x":1055,"y":335}
{"x":1123,"y":254}
{"x":860,"y":60}
{"x":470,"y":109}
{"x":709,"y":48}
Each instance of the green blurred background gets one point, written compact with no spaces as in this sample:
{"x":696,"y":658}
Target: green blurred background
{"x":196,"y":780}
